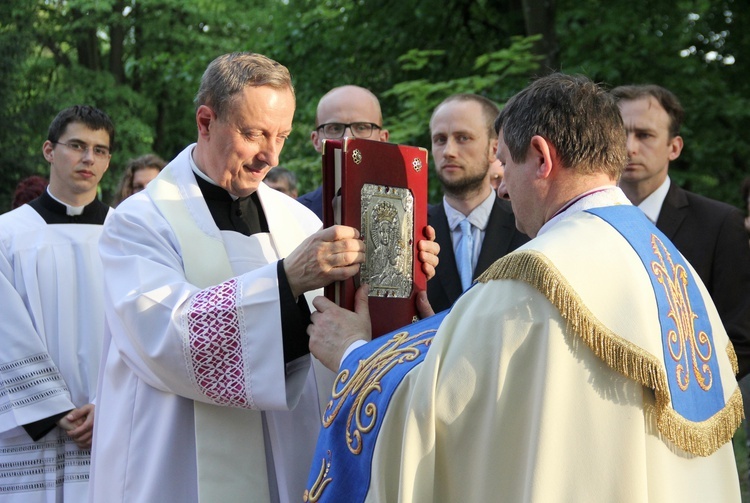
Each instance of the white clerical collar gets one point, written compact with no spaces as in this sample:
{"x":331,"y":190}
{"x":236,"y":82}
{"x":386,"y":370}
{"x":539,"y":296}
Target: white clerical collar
{"x":204,"y":176}
{"x":607,"y":195}
{"x":479,"y":216}
{"x":651,"y":206}
{"x":69,"y":210}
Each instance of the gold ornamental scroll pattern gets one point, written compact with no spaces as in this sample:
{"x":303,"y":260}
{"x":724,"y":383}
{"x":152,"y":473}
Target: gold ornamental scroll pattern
{"x":685,"y":346}
{"x":620,"y":354}
{"x":388,"y":231}
{"x":366,"y":379}
{"x":313,"y":494}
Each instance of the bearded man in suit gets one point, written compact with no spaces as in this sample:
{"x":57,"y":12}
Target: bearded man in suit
{"x":464,"y":144}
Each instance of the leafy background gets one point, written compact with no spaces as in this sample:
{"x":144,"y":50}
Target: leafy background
{"x":141,"y":61}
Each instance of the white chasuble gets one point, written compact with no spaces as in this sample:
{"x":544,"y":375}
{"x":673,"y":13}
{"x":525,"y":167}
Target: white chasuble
{"x":175,"y":342}
{"x":548,"y":381}
{"x":51,"y":328}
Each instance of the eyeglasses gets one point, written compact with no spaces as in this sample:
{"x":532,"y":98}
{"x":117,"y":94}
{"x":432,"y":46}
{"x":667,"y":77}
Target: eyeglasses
{"x":81,"y":148}
{"x":359,"y":129}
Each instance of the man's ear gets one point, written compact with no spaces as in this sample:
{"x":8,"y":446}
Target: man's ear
{"x":47,"y":149}
{"x":675,"y":147}
{"x":493,"y":150}
{"x":204,"y":116}
{"x":317,"y":141}
{"x":384,"y":135}
{"x":544,"y":154}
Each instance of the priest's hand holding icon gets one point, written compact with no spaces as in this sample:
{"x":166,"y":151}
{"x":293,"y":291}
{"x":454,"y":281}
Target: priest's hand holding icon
{"x":331,"y":254}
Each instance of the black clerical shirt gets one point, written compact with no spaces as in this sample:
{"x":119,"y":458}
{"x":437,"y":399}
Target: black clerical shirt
{"x":54,"y":212}
{"x":245,"y":215}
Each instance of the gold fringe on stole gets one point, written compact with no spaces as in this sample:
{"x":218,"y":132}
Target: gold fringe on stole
{"x":732,"y":357}
{"x":701,"y":439}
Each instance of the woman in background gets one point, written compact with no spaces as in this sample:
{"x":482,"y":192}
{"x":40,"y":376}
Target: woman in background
{"x":138,"y":173}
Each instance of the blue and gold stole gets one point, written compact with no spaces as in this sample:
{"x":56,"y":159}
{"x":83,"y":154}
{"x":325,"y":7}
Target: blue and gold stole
{"x":689,"y":352}
{"x":353,"y":417}
{"x":693,"y":408}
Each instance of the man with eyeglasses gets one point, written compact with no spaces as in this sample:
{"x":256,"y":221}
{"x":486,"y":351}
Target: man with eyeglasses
{"x":53,"y":316}
{"x":344,"y":111}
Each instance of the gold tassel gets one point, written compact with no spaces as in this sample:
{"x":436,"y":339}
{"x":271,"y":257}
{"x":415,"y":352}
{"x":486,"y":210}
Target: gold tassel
{"x":701,"y":439}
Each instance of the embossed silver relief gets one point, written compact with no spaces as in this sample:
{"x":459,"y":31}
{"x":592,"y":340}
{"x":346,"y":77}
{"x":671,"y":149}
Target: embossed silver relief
{"x":388,"y":230}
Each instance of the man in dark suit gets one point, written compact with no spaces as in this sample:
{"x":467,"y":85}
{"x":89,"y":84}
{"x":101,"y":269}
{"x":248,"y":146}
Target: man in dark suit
{"x":464,"y":143}
{"x":710,"y":234}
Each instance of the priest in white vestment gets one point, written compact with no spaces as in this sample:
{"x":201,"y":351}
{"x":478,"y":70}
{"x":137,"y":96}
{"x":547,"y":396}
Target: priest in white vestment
{"x":208,"y":391}
{"x":52,"y":323}
{"x":588,"y":365}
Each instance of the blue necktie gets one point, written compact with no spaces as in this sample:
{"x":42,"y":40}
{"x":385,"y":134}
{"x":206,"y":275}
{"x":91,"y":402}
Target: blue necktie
{"x":464,"y":253}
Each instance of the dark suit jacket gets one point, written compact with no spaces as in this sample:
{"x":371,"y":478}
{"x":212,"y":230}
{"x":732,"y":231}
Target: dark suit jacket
{"x":712,"y":237}
{"x":501,"y":238}
{"x":313,"y":201}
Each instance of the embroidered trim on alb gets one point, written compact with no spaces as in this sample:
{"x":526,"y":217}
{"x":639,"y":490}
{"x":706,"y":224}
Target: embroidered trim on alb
{"x":215,"y":348}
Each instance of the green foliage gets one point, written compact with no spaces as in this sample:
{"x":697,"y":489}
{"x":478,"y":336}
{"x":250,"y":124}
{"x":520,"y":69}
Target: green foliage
{"x":332,"y":43}
{"x":16,"y":44}
{"x":141,"y":61}
{"x":673,"y":45}
{"x":498,"y":75}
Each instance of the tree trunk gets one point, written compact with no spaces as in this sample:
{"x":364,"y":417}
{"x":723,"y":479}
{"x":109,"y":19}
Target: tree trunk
{"x":117,"y":43}
{"x":87,"y":44}
{"x":539,"y":16}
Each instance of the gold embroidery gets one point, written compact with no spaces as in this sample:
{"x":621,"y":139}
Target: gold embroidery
{"x":701,"y":439}
{"x":402,"y":347}
{"x":683,"y":346}
{"x":316,"y":491}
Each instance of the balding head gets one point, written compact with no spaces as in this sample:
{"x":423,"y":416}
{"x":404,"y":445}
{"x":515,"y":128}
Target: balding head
{"x":347,"y":105}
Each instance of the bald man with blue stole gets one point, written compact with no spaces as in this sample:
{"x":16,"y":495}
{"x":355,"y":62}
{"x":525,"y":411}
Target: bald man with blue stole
{"x":588,"y":365}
